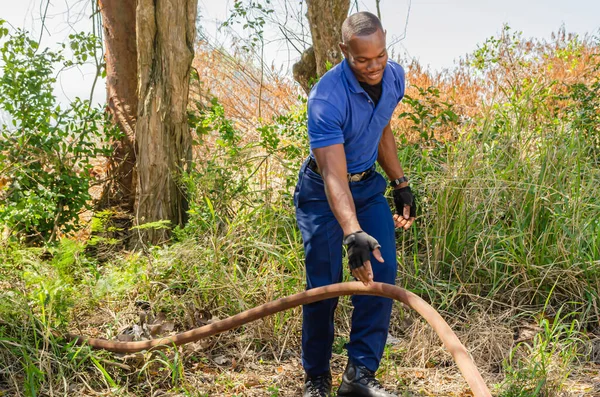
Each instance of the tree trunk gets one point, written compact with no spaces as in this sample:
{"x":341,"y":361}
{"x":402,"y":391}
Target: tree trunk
{"x":165,"y":43}
{"x":118,"y":20}
{"x":325,"y":18}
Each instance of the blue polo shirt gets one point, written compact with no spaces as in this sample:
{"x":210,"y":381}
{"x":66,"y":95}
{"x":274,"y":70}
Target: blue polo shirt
{"x":340,"y":111}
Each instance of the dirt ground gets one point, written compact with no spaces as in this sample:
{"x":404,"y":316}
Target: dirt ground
{"x":223,"y":375}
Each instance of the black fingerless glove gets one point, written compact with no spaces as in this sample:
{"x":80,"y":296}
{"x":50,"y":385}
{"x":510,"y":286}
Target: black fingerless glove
{"x":360,"y":245}
{"x":402,"y":197}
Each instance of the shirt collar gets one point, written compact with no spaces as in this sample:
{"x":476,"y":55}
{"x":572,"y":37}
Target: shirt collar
{"x":388,"y":77}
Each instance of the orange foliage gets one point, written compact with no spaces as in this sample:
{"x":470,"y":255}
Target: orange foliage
{"x":248,"y":97}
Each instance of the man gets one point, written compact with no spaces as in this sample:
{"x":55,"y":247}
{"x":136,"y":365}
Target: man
{"x":339,"y":201}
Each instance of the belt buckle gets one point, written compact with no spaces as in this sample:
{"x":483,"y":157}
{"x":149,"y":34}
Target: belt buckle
{"x":355,"y":177}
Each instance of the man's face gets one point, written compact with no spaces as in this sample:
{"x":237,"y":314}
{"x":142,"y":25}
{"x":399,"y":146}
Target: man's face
{"x":367,"y":56}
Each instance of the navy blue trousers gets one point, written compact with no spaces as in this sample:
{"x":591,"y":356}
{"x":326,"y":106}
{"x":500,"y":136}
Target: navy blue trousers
{"x":322,"y":237}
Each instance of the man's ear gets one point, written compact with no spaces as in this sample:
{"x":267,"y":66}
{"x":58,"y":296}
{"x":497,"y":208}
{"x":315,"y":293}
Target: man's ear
{"x":344,"y":49}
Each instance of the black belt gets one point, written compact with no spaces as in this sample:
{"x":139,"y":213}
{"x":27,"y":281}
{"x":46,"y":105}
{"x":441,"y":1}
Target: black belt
{"x":312,"y":164}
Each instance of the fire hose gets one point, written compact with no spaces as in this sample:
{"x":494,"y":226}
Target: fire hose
{"x":450,"y":340}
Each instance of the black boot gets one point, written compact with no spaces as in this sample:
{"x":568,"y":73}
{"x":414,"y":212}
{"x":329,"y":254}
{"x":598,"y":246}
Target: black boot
{"x":317,"y":386}
{"x":359,"y":381}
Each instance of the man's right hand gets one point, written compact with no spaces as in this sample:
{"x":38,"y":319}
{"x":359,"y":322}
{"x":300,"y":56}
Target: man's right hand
{"x":360,"y":245}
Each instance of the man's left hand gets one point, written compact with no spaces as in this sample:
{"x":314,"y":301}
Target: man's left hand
{"x":406,"y":208}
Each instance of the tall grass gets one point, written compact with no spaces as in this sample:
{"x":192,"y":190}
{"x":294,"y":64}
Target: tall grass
{"x":510,"y":209}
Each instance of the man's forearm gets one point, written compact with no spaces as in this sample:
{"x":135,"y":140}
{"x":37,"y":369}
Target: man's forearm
{"x":387,"y":156}
{"x":332,"y":165}
{"x":341,"y":202}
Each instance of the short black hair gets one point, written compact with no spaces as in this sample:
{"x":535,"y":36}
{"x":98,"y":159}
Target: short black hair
{"x":360,"y":24}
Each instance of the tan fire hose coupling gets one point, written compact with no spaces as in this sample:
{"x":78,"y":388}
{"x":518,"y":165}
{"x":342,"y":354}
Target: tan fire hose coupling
{"x":457,"y":350}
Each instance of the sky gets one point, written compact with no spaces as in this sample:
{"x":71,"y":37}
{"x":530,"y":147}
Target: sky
{"x":435,"y":32}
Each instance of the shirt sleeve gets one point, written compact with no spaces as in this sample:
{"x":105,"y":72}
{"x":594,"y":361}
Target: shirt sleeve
{"x":324,"y":124}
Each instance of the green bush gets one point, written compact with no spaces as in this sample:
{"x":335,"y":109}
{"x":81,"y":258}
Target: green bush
{"x":234,"y":174}
{"x":46,"y":151}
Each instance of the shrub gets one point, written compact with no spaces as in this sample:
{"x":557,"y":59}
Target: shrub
{"x":46,"y":151}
